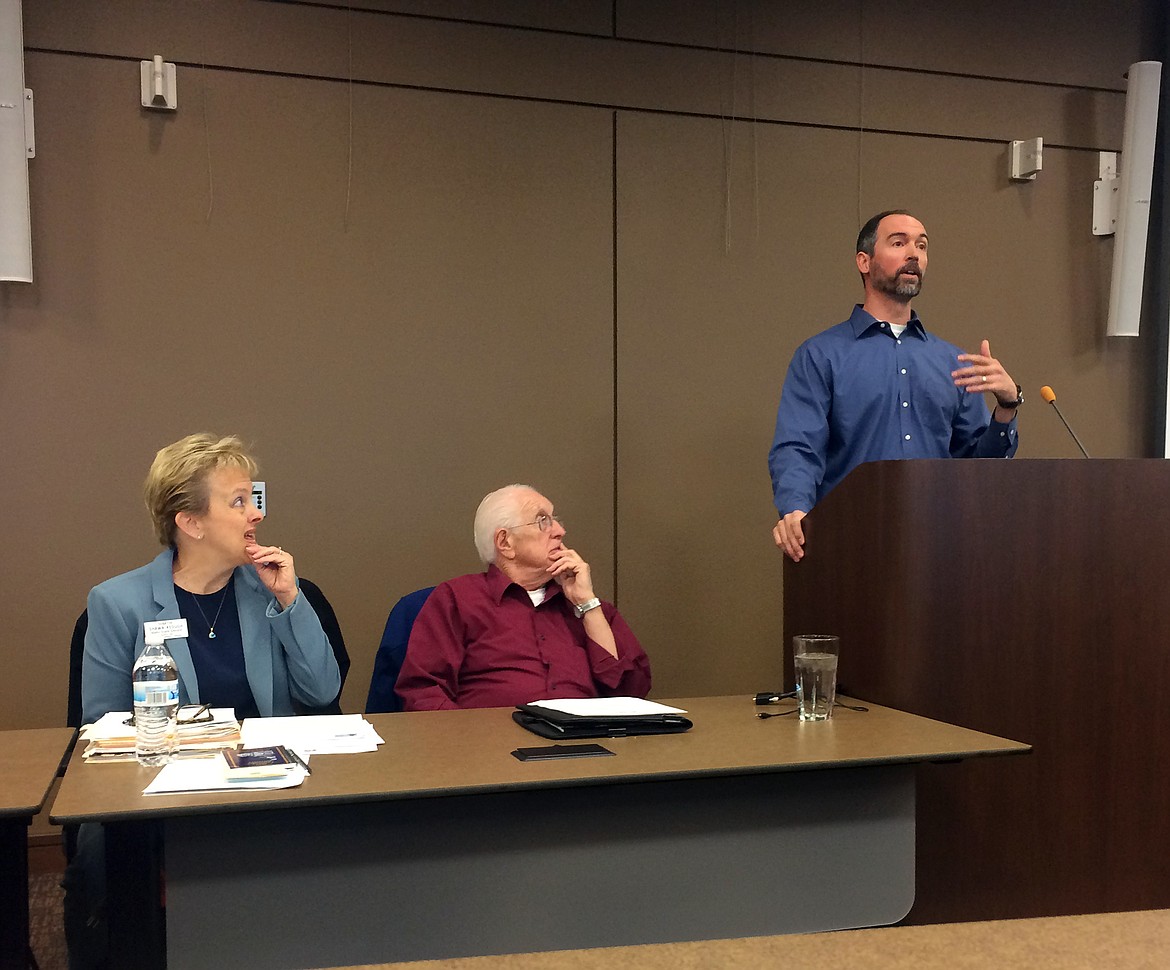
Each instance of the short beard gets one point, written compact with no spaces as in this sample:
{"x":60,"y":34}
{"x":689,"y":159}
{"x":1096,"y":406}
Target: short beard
{"x":893,"y":286}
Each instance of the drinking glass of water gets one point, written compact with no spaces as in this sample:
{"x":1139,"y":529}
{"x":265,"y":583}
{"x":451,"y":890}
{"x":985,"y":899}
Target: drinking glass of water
{"x":814,"y":656}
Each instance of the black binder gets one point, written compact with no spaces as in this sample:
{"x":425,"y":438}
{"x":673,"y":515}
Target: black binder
{"x":559,"y":725}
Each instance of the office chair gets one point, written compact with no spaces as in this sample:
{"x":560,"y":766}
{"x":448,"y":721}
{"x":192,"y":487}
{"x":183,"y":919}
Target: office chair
{"x":73,"y":717}
{"x":332,"y":628}
{"x":76,"y":651}
{"x":392,"y":651}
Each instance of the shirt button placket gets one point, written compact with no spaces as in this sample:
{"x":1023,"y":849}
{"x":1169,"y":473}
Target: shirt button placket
{"x":904,"y":399}
{"x":539,"y":620}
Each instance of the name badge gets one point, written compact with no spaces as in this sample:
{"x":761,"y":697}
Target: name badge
{"x":167,"y":629}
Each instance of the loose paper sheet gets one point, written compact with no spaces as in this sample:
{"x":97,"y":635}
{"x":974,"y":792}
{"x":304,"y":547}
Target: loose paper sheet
{"x":208,"y":775}
{"x":314,"y":734}
{"x":607,"y":706}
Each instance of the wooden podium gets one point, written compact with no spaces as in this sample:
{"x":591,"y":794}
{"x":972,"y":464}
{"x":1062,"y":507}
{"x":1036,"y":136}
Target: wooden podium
{"x":1027,"y":599}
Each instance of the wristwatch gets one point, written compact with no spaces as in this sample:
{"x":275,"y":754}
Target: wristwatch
{"x":1012,"y":405}
{"x":582,"y":608}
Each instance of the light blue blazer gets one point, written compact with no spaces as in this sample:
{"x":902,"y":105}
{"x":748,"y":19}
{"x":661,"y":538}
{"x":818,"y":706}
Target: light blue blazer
{"x":286,"y":653}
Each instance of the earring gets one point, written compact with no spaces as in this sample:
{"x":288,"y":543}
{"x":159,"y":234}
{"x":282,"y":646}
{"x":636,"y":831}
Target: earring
{"x":200,"y":536}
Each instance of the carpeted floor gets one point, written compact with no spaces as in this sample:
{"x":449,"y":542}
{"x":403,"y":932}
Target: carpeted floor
{"x":44,"y":920}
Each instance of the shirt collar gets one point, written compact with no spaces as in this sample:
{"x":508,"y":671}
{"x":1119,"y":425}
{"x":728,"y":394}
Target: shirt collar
{"x":862,"y":321}
{"x":498,"y":584}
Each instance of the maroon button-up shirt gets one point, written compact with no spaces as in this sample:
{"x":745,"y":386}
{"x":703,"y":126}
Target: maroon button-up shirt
{"x":479,"y":642}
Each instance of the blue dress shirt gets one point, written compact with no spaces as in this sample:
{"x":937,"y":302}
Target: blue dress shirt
{"x":857,"y":393}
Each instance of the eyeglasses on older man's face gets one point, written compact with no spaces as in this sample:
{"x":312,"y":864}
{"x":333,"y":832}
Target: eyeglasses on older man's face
{"x":543,"y":522}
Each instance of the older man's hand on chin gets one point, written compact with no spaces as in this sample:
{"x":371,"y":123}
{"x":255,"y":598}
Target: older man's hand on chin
{"x":572,"y":574}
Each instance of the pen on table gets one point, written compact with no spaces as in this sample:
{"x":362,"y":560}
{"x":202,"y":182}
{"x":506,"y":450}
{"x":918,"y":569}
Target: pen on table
{"x":300,"y":761}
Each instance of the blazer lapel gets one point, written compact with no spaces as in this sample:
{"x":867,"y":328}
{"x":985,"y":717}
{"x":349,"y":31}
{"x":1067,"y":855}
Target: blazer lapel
{"x":252,"y":603}
{"x":162,"y":582}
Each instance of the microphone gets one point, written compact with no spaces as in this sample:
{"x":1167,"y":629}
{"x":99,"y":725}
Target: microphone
{"x":1049,"y":395}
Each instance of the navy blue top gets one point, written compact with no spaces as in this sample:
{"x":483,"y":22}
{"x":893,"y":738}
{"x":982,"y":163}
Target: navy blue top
{"x":219,"y":662}
{"x":857,"y":393}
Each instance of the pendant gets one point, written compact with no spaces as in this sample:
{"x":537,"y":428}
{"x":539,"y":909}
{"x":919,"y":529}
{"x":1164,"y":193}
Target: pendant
{"x":210,"y":634}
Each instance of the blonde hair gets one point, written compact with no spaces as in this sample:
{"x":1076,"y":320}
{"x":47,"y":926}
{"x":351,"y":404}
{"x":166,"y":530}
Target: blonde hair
{"x":177,"y":480}
{"x":498,"y":510}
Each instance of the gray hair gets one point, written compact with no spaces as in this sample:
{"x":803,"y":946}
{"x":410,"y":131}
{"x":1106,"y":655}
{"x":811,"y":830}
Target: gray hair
{"x":498,"y":510}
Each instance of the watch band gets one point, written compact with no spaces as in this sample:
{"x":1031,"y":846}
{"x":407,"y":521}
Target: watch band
{"x":583,"y":608}
{"x":1012,"y":405}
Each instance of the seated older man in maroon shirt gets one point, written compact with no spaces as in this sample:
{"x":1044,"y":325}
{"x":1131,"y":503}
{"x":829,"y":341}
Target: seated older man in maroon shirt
{"x":528,"y":628}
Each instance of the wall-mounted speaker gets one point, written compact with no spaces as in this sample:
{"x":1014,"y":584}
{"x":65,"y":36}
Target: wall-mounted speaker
{"x":1137,"y":174}
{"x":15,"y":225}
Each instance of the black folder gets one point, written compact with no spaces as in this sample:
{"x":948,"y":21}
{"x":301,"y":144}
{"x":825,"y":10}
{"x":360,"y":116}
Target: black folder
{"x":559,"y":725}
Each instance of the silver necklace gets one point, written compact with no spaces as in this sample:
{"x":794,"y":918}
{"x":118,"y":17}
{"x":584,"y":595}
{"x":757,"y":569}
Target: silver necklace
{"x":211,"y":624}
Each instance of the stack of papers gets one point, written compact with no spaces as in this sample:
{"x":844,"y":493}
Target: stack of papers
{"x":304,"y":735}
{"x":112,"y":739}
{"x":312,"y":734}
{"x":197,"y":766}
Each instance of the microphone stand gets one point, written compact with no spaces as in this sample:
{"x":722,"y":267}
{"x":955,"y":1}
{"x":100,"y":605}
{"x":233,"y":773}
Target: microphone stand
{"x":1067,"y":425}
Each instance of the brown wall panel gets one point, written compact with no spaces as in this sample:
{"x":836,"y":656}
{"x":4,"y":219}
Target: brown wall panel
{"x":708,"y":317}
{"x":454,"y":338}
{"x":517,"y":63}
{"x":1016,"y":262}
{"x":405,"y":297}
{"x":1043,"y":41}
{"x":577,"y":16}
{"x":252,"y":34}
{"x":831,"y":30}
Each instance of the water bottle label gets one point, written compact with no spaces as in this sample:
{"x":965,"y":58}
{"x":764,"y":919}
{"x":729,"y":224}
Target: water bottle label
{"x":156,"y":692}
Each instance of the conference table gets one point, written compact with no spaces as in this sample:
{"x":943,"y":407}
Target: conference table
{"x":29,"y":761}
{"x":442,"y":844}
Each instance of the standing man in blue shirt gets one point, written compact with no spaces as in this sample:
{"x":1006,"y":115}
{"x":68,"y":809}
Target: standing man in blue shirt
{"x":878,"y":386}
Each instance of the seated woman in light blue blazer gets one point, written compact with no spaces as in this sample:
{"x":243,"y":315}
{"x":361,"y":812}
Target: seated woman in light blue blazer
{"x":253,"y":642}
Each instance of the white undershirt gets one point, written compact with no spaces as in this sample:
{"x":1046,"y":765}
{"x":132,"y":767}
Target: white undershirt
{"x":536,"y":595}
{"x":897,"y":329}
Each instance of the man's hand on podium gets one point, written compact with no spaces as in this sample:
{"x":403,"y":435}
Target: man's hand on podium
{"x":789,"y":535}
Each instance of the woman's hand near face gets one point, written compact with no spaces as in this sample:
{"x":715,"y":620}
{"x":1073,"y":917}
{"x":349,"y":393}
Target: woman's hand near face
{"x":274,"y":566}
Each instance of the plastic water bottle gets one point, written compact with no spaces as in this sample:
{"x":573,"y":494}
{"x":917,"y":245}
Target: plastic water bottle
{"x":156,"y":703}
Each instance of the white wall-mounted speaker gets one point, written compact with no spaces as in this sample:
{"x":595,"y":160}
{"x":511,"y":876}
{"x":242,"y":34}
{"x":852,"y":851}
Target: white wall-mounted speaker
{"x":1137,"y":175}
{"x":15,"y":225}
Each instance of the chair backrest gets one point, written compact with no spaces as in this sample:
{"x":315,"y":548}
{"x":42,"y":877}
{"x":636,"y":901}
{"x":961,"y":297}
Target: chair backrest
{"x":332,"y":628}
{"x":392,"y":651}
{"x":76,"y":652}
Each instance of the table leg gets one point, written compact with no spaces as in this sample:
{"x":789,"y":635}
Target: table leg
{"x":135,"y":902}
{"x":14,"y":893}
